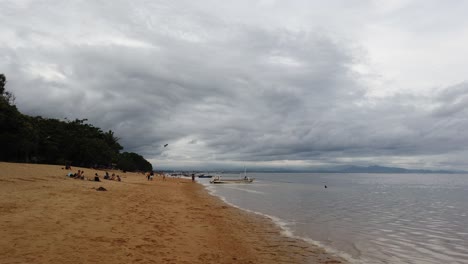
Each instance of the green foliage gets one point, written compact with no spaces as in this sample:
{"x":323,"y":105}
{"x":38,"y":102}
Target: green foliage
{"x":15,"y":131}
{"x":44,"y":140}
{"x":129,"y":161}
{"x":2,"y":83}
{"x":5,"y":96}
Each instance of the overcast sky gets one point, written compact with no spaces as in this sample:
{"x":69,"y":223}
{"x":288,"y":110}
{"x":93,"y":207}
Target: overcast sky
{"x":282,"y":84}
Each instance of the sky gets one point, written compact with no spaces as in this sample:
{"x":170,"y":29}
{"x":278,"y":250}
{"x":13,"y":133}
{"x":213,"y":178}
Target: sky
{"x":270,"y":84}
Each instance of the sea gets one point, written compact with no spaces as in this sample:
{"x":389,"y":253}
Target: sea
{"x":364,"y":218}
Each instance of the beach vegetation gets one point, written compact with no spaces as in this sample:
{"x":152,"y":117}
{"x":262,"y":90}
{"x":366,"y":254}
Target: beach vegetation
{"x":37,"y":139}
{"x":129,"y":161}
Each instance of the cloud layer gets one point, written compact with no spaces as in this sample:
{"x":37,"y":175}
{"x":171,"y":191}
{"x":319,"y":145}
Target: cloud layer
{"x":262,"y":83}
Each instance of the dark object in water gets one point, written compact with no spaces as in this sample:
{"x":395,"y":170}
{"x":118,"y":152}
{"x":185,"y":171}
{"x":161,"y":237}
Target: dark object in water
{"x":326,"y":187}
{"x":102,"y":189}
{"x":205,"y":176}
{"x":165,"y":145}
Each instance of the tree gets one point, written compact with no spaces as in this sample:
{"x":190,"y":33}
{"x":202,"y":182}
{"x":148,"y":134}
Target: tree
{"x":45,"y":140}
{"x":12,"y":124}
{"x":5,"y":96}
{"x":129,"y":161}
{"x":2,"y":83}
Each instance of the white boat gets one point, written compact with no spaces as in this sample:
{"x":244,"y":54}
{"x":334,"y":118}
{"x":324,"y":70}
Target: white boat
{"x":245,"y":179}
{"x":218,"y":180}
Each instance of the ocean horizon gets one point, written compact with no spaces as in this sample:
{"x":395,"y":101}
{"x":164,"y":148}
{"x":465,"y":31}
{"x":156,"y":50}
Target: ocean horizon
{"x":364,"y":218}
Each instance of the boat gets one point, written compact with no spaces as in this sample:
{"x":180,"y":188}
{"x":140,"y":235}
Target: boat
{"x":218,"y":180}
{"x":245,"y":179}
{"x":205,"y":176}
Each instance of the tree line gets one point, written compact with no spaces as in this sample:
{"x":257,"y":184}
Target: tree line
{"x":36,"y":139}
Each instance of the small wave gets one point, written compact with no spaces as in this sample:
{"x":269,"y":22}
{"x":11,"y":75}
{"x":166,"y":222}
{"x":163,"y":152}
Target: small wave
{"x":245,"y":190}
{"x":287,"y":232}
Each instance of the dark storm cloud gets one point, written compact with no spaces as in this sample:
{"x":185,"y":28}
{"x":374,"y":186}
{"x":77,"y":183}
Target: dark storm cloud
{"x":218,"y":91}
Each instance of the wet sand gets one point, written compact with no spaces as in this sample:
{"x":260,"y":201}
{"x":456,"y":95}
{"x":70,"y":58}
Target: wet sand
{"x":46,"y":217}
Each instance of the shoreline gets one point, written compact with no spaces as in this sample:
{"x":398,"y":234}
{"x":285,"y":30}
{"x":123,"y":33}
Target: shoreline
{"x":47,"y":217}
{"x":286,"y":232}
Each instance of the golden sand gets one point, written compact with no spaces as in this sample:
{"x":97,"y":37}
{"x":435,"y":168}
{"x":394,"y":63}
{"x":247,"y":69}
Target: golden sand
{"x":46,"y":217}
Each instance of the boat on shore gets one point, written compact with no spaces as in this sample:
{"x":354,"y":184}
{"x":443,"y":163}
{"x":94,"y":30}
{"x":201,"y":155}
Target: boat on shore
{"x":245,"y":179}
{"x":205,"y":176}
{"x":218,"y":180}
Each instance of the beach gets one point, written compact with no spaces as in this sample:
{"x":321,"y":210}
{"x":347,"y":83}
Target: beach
{"x":47,"y":217}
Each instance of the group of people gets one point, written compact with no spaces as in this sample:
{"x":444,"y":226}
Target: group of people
{"x":80,"y":176}
{"x":112,"y":178}
{"x":150,"y":176}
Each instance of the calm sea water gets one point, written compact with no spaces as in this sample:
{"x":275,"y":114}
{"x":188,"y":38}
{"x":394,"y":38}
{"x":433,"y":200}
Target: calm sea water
{"x":366,"y":218}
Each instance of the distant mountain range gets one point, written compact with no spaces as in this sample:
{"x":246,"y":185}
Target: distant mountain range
{"x":336,"y":169}
{"x":348,"y":169}
{"x":381,"y":169}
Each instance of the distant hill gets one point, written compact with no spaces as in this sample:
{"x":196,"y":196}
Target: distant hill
{"x":382,"y":169}
{"x":347,"y":169}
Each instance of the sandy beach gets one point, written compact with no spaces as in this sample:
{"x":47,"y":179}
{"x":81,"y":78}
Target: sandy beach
{"x":46,"y":217}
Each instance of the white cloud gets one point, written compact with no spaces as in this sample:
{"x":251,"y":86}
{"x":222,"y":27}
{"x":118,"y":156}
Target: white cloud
{"x":273,"y":83}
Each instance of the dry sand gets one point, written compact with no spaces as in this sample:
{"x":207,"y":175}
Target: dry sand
{"x":46,"y":217}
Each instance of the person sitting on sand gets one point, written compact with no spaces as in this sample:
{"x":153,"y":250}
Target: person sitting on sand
{"x":118,"y":178}
{"x":96,"y":177}
{"x":79,"y":175}
{"x":113,"y":177}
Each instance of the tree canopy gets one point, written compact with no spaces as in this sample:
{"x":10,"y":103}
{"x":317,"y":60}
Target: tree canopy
{"x":25,"y":138}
